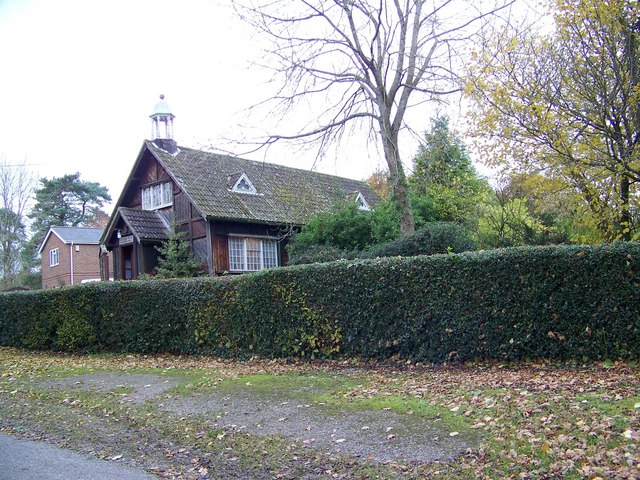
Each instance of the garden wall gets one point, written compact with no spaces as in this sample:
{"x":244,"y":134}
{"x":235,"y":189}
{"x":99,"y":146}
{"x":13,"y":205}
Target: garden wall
{"x":578,"y":302}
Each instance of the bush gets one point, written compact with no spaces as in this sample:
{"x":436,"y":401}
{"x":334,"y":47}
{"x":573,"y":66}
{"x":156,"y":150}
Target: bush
{"x":319,"y":254}
{"x":343,"y":231}
{"x":437,"y":237}
{"x":75,"y":334}
{"x":344,"y":227}
{"x":578,"y":302}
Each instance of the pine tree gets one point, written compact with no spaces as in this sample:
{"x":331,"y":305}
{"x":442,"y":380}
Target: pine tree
{"x":176,"y":259}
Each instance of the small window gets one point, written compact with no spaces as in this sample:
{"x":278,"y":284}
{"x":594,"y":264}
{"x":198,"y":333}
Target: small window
{"x":252,"y":254}
{"x":244,"y":185}
{"x":361,"y":202}
{"x":157,"y":196}
{"x":54,"y":257}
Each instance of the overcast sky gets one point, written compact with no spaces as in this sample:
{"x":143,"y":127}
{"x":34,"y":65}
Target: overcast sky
{"x":79,"y":79}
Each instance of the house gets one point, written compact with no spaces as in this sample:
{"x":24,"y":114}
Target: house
{"x":70,"y":255}
{"x":237,"y":214}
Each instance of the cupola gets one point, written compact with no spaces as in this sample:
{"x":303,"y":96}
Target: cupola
{"x":162,"y":126}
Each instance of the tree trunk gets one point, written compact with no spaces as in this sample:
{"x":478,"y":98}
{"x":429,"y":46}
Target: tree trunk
{"x":624,"y":225}
{"x":398,"y":180}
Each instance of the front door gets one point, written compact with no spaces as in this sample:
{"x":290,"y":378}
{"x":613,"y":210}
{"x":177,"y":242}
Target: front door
{"x":127,"y":262}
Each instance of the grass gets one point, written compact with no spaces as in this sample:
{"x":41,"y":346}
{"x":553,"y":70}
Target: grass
{"x":536,"y":420}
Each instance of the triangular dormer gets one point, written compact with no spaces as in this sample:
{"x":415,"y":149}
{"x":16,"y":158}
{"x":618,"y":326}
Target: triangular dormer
{"x":240,"y":183}
{"x":362,"y":202}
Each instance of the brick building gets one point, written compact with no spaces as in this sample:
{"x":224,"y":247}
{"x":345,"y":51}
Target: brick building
{"x":70,"y":256}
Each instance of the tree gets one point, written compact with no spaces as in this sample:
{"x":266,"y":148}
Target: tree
{"x":558,"y":209}
{"x":566,"y":105}
{"x":16,"y":188}
{"x":366,"y":63}
{"x":65,"y":201}
{"x":379,"y":182}
{"x":444,"y":179}
{"x":176,"y":259}
{"x":12,"y":240}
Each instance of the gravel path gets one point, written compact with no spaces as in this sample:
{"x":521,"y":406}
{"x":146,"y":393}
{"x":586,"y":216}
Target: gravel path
{"x":382,"y":436}
{"x":143,"y":386}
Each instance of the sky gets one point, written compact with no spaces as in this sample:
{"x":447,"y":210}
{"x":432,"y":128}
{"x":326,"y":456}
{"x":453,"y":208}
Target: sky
{"x":79,"y":79}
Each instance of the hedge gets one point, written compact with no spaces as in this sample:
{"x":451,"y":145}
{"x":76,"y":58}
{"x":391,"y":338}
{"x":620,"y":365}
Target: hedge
{"x":578,"y":302}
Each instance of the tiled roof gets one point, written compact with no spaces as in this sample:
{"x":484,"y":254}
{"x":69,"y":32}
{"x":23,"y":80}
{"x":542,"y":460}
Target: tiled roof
{"x":284,"y":195}
{"x":145,"y":224}
{"x":78,"y":235}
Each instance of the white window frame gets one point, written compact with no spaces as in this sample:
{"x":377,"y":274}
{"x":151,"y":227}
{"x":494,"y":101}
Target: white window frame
{"x":243,"y":178}
{"x":54,"y":257}
{"x":243,"y":262}
{"x":362,"y":203}
{"x":159,"y":195}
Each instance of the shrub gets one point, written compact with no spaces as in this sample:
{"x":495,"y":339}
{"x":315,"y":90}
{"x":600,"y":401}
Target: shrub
{"x":561,"y":302}
{"x":319,"y":254}
{"x":75,"y":333}
{"x":344,"y":227}
{"x":343,"y":231}
{"x":437,"y":237}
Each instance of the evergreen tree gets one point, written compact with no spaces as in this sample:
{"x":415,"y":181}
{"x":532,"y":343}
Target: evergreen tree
{"x":65,"y":201}
{"x":176,"y":259}
{"x":445,"y":184}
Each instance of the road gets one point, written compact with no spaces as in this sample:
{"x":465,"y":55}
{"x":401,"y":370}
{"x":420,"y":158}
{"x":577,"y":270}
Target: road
{"x":29,"y":460}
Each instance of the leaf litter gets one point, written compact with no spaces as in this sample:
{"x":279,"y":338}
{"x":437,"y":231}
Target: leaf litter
{"x":535,"y":419}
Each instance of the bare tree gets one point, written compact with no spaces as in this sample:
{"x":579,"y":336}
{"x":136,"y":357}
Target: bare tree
{"x":364,"y":61}
{"x":16,"y":189}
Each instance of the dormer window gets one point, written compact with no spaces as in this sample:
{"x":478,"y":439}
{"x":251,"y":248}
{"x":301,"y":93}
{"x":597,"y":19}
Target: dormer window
{"x":243,"y":185}
{"x":361,"y":202}
{"x":157,"y":196}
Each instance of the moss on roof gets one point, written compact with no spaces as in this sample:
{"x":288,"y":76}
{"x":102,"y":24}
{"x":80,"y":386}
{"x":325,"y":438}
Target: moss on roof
{"x":144,"y":224}
{"x":284,"y":195}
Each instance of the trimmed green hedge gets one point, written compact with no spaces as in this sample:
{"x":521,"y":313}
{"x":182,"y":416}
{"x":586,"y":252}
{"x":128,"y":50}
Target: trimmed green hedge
{"x":552,"y":302}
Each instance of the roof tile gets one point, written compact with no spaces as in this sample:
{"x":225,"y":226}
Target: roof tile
{"x":284,"y":195}
{"x":145,"y":224}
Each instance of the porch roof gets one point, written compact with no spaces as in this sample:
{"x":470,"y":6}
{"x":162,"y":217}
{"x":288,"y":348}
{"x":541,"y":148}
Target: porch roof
{"x":145,"y":224}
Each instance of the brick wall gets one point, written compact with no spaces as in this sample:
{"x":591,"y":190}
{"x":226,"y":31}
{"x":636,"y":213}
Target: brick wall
{"x":86,"y":263}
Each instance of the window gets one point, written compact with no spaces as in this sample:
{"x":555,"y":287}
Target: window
{"x":361,"y":202}
{"x":54,"y":257}
{"x":251,"y":254}
{"x":157,"y":196}
{"x":244,"y":185}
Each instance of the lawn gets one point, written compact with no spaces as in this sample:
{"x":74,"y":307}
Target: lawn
{"x":526,"y":420}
